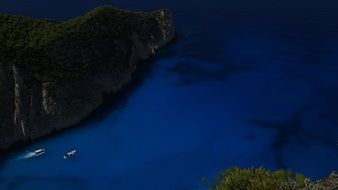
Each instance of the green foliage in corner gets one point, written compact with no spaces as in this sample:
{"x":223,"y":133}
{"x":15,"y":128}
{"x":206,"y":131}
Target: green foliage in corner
{"x":258,"y":179}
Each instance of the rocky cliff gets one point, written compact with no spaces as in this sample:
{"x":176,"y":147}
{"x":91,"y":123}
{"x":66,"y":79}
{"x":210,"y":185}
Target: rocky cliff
{"x":54,"y":74}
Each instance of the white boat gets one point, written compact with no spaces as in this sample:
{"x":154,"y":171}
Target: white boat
{"x":39,"y":152}
{"x":69,"y":154}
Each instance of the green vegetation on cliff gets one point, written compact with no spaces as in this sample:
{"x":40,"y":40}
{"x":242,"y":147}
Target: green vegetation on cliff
{"x":56,"y":52}
{"x":261,"y":179}
{"x":19,"y":33}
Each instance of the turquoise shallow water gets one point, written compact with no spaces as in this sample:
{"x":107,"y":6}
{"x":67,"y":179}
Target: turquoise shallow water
{"x":246,"y":83}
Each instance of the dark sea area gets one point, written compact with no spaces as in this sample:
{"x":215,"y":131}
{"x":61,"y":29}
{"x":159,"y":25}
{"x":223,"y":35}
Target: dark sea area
{"x":246,"y":83}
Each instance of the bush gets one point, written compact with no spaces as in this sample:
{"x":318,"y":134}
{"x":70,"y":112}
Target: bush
{"x":258,"y":179}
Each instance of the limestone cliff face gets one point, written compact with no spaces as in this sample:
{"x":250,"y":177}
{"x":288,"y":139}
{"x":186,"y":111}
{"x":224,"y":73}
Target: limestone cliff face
{"x":54,"y":74}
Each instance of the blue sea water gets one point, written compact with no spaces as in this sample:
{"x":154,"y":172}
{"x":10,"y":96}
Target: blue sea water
{"x":247,"y":83}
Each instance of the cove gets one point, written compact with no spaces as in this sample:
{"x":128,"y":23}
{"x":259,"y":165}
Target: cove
{"x":246,"y":83}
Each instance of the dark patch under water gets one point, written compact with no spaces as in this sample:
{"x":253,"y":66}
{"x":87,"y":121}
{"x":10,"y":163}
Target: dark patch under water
{"x":247,"y":83}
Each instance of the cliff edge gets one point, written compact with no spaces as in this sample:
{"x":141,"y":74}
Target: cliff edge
{"x":54,"y":74}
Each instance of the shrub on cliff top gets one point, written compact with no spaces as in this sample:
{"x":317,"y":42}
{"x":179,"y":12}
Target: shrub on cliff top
{"x":258,"y":179}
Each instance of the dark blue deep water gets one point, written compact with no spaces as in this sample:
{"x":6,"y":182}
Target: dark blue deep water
{"x":247,"y":83}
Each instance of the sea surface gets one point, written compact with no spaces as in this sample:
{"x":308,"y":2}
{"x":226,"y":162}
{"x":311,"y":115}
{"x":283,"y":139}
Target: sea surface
{"x":246,"y":83}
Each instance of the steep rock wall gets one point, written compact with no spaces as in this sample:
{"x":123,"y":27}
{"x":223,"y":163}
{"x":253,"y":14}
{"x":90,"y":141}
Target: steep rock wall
{"x":35,"y":104}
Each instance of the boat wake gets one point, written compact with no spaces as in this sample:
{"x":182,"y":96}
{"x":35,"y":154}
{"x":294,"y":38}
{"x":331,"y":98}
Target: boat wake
{"x":26,"y":156}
